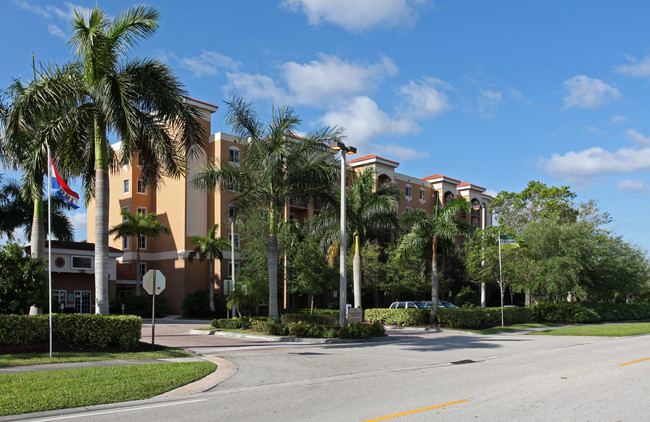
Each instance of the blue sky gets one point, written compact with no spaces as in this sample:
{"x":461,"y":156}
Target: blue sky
{"x":492,"y":93}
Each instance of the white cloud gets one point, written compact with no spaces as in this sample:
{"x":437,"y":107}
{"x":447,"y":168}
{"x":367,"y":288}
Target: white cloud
{"x":356,"y":15}
{"x":594,"y":130}
{"x":488,"y":103}
{"x":78,"y":221}
{"x":331,"y":77}
{"x":593,"y":162}
{"x":362,"y":120}
{"x":491,"y":192}
{"x":638,"y":137}
{"x":619,"y":119}
{"x":635,"y":186}
{"x":425,"y":99}
{"x":56,"y":31}
{"x":256,"y":87}
{"x":636,"y":68}
{"x":208,"y":63}
{"x":586,"y":92}
{"x":402,"y":153}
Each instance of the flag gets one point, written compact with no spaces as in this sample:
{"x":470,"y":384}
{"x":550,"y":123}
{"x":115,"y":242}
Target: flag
{"x":508,"y":242}
{"x":62,"y":190}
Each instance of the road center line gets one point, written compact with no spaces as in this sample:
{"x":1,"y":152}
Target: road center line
{"x":108,"y":412}
{"x":410,"y":412}
{"x":636,"y":361}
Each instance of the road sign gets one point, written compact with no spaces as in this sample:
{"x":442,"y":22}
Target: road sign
{"x":148,"y":281}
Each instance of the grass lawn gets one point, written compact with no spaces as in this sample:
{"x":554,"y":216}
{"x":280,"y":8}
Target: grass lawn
{"x":508,"y":328}
{"x":607,"y":330}
{"x":19,"y":359}
{"x":50,"y":390}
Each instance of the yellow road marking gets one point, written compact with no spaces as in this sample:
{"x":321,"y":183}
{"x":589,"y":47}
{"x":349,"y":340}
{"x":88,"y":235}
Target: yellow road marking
{"x":410,"y":412}
{"x":636,"y":361}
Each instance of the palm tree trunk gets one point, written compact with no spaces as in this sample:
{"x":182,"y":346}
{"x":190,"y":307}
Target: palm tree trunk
{"x":273,"y":276}
{"x":212,"y":308}
{"x":38,"y":230}
{"x":356,"y":273}
{"x":434,"y":284}
{"x":138,"y":276}
{"x":101,"y":219}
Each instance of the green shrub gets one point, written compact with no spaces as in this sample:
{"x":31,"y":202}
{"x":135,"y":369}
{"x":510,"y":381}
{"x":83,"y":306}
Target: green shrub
{"x":139,"y":305}
{"x":197,"y":305}
{"x":563,"y":312}
{"x":237,"y":323}
{"x":87,"y":330}
{"x":306,"y":329}
{"x":467,"y":297}
{"x":329,"y":317}
{"x":402,"y":317}
{"x":269,"y":326}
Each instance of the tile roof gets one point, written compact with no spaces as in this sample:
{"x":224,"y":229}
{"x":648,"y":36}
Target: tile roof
{"x":370,"y":157}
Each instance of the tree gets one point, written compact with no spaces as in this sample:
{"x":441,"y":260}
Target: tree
{"x":210,"y":247}
{"x":276,"y":167}
{"x":370,"y":208}
{"x":22,"y":279}
{"x":426,"y":231}
{"x":140,"y":226}
{"x":405,"y":278}
{"x":535,"y":203}
{"x":140,"y":101}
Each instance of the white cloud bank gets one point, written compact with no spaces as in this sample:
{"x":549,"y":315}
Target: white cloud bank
{"x":208,"y":63}
{"x":638,"y":69}
{"x":586,"y":92}
{"x":634,"y":186}
{"x":50,"y":12}
{"x":356,"y":15}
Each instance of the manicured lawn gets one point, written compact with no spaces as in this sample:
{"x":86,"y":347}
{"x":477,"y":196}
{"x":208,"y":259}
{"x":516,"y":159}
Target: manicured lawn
{"x":607,"y":330}
{"x":50,"y":390}
{"x":19,"y":359}
{"x":508,"y":328}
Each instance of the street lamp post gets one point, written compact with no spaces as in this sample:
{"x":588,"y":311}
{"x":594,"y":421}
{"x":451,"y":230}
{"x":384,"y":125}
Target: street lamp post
{"x":340,"y":146}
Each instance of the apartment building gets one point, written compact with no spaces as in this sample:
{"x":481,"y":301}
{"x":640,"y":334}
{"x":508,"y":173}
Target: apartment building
{"x":188,"y":212}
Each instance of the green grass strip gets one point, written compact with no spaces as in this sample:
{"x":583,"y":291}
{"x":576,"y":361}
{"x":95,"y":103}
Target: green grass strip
{"x":604,"y":330}
{"x":50,"y":390}
{"x":20,"y":359}
{"x":507,"y":328}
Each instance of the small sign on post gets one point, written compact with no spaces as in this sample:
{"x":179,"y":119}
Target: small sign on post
{"x":355,"y":315}
{"x":153,"y":283}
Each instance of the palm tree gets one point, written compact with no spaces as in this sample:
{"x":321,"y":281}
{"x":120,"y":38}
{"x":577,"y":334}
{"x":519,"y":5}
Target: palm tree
{"x":210,"y":247}
{"x":276,"y":167}
{"x":369,"y":208}
{"x":139,"y":225}
{"x":426,"y":231}
{"x":140,"y":101}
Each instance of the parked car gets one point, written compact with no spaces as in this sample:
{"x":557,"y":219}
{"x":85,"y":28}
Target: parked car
{"x":419,"y":304}
{"x":403,"y":305}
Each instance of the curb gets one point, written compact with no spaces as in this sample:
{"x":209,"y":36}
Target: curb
{"x":225,"y":369}
{"x":291,"y":339}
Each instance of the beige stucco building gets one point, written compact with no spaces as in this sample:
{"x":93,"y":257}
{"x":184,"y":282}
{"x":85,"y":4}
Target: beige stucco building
{"x":188,"y":212}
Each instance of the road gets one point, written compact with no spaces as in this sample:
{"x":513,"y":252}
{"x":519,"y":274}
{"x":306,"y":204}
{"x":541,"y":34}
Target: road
{"x":422,"y":376}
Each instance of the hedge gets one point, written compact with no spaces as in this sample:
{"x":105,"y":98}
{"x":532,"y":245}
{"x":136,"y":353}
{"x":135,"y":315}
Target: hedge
{"x":398,"y":316}
{"x":84,"y":330}
{"x":237,"y":323}
{"x":322,"y":318}
{"x":306,"y":329}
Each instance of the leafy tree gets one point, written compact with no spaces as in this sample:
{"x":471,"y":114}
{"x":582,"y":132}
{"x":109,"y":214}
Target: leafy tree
{"x":138,"y":225}
{"x":22,"y":279}
{"x":537,"y":202}
{"x":370,"y":208}
{"x":276,"y":167}
{"x":426,"y":231}
{"x":210,"y":247}
{"x":140,"y":101}
{"x":405,"y":278}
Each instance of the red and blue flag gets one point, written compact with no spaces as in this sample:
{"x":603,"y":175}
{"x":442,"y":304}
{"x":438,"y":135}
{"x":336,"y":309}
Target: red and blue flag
{"x":62,"y":190}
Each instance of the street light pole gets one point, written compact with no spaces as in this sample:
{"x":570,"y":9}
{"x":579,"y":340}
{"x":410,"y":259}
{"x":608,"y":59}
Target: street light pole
{"x":343,"y":246}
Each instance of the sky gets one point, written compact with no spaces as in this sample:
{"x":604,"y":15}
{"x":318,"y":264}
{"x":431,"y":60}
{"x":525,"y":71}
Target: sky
{"x":492,"y":93}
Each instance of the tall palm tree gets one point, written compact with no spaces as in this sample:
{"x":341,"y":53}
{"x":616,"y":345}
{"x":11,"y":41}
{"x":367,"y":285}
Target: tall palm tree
{"x":276,"y":167}
{"x":369,"y":208}
{"x":139,"y":225}
{"x":210,"y":247}
{"x":425,"y":233}
{"x":140,"y":101}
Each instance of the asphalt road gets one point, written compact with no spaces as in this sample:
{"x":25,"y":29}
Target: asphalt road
{"x":418,"y":377}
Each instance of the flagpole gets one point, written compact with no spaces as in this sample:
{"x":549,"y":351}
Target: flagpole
{"x":49,"y":235}
{"x":500,"y":277}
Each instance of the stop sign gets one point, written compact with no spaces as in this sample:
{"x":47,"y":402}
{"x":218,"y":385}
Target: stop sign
{"x":147,"y":281}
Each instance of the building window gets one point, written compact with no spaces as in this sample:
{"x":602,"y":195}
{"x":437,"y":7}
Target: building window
{"x":142,"y":210}
{"x":233,"y":186}
{"x":142,"y":242}
{"x":125,"y":186}
{"x":422,"y":194}
{"x":234,"y":155}
{"x":232,"y":210}
{"x":125,"y":209}
{"x":82,"y":263}
{"x":141,"y":160}
{"x":230,"y":269}
{"x":408,"y":191}
{"x":59,"y":297}
{"x":83,"y":301}
{"x":142,"y":186}
{"x":125,"y":242}
{"x":234,"y":239}
{"x":143,"y":269}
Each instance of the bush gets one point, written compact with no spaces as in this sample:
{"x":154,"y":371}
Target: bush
{"x":322,"y":317}
{"x":197,"y":305}
{"x":400,"y":317}
{"x":467,"y":297}
{"x":563,"y":312}
{"x":238,"y":323}
{"x":139,"y":305}
{"x":306,"y":329}
{"x":86,"y":330}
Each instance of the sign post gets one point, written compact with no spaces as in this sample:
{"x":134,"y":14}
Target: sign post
{"x":154,"y":283}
